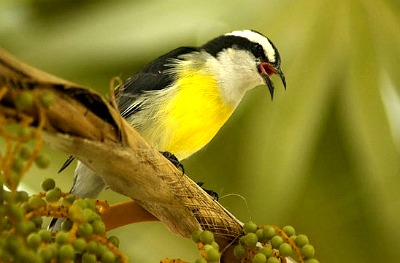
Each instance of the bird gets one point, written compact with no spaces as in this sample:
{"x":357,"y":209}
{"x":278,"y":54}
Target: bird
{"x":179,"y":101}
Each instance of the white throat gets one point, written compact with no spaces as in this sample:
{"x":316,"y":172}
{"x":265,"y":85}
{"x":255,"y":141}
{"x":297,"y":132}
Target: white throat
{"x":236,"y":72}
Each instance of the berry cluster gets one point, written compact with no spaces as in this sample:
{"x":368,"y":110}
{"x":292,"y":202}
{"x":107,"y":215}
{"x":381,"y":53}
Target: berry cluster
{"x":22,"y":237}
{"x":19,"y":155}
{"x":259,"y":244}
{"x":209,"y":249}
{"x":270,"y":244}
{"x":81,"y":239}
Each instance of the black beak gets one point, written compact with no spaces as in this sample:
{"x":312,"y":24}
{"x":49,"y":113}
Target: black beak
{"x":280,"y":73}
{"x":270,"y":85}
{"x":266,"y":69}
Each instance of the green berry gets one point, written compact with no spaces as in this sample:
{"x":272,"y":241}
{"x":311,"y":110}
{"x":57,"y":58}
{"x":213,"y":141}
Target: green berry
{"x":308,"y":251}
{"x":90,"y":203}
{"x":276,"y":241}
{"x":89,"y":215}
{"x":85,"y":230}
{"x":48,"y":184}
{"x":88,"y":258}
{"x":249,"y":227}
{"x":54,"y":248}
{"x":25,"y":255}
{"x":98,"y":227}
{"x":312,"y":260}
{"x":34,"y":240}
{"x":42,"y":161}
{"x":206,"y":237}
{"x":239,"y":251}
{"x":260,"y":234}
{"x":114,"y":240}
{"x":62,"y":237}
{"x":22,"y":196}
{"x":38,"y":221}
{"x":24,"y":100}
{"x":285,"y":249}
{"x":108,"y":257}
{"x":196,"y":236}
{"x":215,"y":245}
{"x":207,"y":247}
{"x":18,"y":164}
{"x":66,"y":225}
{"x":200,"y":260}
{"x":289,"y":230}
{"x":267,"y":251}
{"x":36,"y":202}
{"x":24,"y":206}
{"x":79,"y":244}
{"x":13,"y":244}
{"x":53,"y":195}
{"x":30,"y":226}
{"x":259,"y":258}
{"x":101,"y":249}
{"x":250,"y":239}
{"x":80,"y":203}
{"x":66,"y":252}
{"x":273,"y":260}
{"x":45,"y":235}
{"x":93,"y":247}
{"x":301,"y":240}
{"x":47,"y":98}
{"x":269,"y":232}
{"x":25,"y":152}
{"x":46,"y":253}
{"x":75,"y":213}
{"x":212,"y":254}
{"x":25,"y":227}
{"x":69,"y":200}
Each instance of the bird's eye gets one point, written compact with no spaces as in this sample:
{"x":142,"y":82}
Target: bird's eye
{"x":258,"y":51}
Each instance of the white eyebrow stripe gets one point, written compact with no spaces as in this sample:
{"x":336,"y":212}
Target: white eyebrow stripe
{"x":256,"y":38}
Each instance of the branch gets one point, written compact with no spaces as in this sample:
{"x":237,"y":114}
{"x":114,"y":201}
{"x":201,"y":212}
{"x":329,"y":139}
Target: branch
{"x":83,"y":123}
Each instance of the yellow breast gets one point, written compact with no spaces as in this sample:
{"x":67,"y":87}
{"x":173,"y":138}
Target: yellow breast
{"x":194,"y":114}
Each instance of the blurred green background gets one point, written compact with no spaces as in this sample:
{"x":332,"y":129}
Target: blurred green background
{"x":323,"y":156}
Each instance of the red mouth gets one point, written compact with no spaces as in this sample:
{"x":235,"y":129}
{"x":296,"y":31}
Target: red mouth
{"x":267,"y":69}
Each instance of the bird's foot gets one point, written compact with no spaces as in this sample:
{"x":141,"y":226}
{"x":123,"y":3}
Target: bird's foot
{"x":172,"y":158}
{"x":211,"y":193}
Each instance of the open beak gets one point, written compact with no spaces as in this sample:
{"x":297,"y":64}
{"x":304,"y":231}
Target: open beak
{"x":266,"y":69}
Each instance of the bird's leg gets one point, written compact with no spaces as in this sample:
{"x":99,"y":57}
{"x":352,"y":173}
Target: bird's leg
{"x":172,"y":158}
{"x":211,"y":193}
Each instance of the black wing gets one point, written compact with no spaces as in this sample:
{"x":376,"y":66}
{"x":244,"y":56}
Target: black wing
{"x":150,"y":77}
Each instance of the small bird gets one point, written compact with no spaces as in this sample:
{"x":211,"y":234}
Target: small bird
{"x":179,"y":101}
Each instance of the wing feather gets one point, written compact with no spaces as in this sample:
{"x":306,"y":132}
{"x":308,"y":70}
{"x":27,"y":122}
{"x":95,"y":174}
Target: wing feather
{"x":154,"y":76}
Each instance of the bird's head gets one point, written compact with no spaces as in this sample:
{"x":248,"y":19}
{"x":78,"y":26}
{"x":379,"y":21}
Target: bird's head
{"x":247,"y":57}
